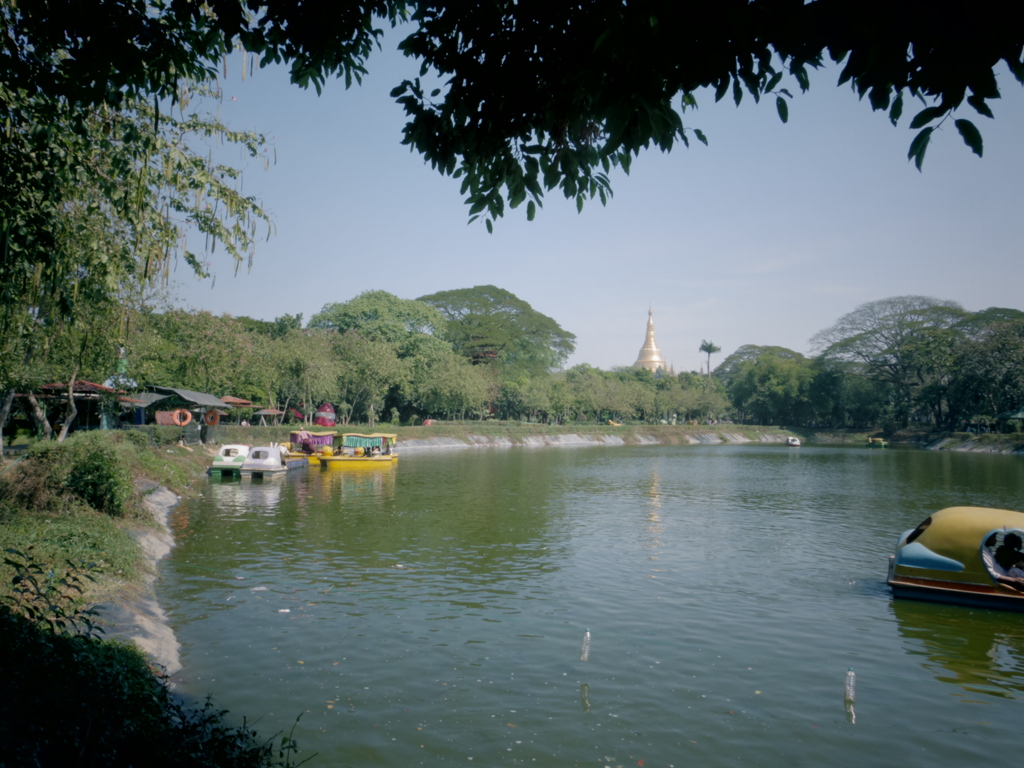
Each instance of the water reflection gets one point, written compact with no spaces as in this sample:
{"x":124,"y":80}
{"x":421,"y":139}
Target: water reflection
{"x":980,"y":651}
{"x":653,"y":497}
{"x":353,"y":484}
{"x":257,"y":496}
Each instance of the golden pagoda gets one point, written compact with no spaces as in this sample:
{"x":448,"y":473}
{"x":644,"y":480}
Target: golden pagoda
{"x":650,"y":356}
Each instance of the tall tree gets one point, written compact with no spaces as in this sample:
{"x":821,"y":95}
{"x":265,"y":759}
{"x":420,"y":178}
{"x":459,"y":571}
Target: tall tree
{"x":774,"y":390}
{"x":489,"y":324}
{"x":990,"y":378}
{"x":884,"y":339}
{"x":709,"y":348}
{"x":95,"y":204}
{"x":381,"y":316}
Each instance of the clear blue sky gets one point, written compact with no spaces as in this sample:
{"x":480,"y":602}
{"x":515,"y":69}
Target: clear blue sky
{"x":764,"y":237}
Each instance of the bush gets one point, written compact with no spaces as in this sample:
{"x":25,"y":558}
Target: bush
{"x":84,"y":469}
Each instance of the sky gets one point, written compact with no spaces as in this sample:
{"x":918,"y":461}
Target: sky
{"x":766,"y":236}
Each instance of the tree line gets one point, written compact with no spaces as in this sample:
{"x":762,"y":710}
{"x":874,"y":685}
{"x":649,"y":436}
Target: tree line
{"x":463,"y":354}
{"x":890,"y":363}
{"x":482,"y":352}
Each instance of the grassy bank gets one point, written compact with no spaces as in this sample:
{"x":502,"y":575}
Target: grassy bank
{"x":80,"y":500}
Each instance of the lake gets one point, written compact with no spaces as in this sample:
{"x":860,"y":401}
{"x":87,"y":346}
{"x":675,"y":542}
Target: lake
{"x":434,"y":614}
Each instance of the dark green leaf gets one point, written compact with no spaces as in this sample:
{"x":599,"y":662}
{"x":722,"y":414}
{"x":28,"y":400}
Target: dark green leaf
{"x":721,"y":88}
{"x":918,"y":147}
{"x":978,"y":102}
{"x":896,"y":110}
{"x":773,"y":82}
{"x":970,"y":135}
{"x":879,"y":97}
{"x":700,"y":136}
{"x":783,"y":107}
{"x":925,"y":116}
{"x":531,"y":210}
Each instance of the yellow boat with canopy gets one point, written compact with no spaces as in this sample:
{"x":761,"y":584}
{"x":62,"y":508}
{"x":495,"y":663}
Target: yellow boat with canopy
{"x":362,"y":451}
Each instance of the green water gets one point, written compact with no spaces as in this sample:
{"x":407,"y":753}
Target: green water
{"x":433,"y":615}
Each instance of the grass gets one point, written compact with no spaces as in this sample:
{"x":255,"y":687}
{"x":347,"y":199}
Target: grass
{"x":80,"y":500}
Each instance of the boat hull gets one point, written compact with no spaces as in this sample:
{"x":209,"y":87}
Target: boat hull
{"x":313,"y":459}
{"x":270,"y":460}
{"x":289,"y":464}
{"x":358,"y":462}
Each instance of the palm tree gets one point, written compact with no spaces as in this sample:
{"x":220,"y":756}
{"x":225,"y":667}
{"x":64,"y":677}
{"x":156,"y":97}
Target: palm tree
{"x":710,"y":348}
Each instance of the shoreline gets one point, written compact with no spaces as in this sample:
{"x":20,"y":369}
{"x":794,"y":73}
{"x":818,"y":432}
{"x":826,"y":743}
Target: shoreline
{"x":137,"y":617}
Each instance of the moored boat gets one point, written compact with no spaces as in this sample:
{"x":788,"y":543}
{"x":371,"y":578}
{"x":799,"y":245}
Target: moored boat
{"x":794,"y":441}
{"x":362,"y":451}
{"x":266,"y":460}
{"x":229,"y":459}
{"x":877,"y":442}
{"x":962,"y":555}
{"x":310,"y":445}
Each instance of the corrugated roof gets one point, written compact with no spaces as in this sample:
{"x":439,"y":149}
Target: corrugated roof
{"x":197,"y":398}
{"x":81,"y":385}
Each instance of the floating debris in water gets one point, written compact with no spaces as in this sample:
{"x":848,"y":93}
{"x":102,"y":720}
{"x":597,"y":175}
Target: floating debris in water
{"x":585,"y":697}
{"x":585,"y":647}
{"x":850,"y":696}
{"x":284,"y":610}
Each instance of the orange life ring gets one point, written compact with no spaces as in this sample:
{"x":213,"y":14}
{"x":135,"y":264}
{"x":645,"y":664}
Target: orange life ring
{"x":212,"y":418}
{"x":181,"y":418}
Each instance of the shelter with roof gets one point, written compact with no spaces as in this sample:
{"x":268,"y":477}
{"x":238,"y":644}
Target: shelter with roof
{"x":163,"y":400}
{"x":97,"y":405}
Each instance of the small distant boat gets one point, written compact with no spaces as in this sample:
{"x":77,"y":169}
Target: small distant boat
{"x":273,"y":459}
{"x":794,"y":441}
{"x":962,"y":555}
{"x":362,"y":451}
{"x":310,"y":445}
{"x":877,"y":442}
{"x":229,"y":459}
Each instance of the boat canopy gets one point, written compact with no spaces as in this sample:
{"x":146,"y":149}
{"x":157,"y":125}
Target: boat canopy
{"x":376,"y":440}
{"x":313,"y":438}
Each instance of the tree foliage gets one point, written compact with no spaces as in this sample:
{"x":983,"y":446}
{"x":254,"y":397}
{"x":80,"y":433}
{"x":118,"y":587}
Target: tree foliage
{"x":381,"y":316}
{"x":886,"y":338}
{"x":518,"y":99}
{"x":95,"y":205}
{"x":489,"y":324}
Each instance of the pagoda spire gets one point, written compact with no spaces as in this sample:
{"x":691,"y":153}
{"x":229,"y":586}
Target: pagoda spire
{"x":650,"y":356}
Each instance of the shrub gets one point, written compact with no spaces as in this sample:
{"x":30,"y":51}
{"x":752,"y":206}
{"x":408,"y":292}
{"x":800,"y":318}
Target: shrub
{"x":84,"y":469}
{"x":98,"y":478}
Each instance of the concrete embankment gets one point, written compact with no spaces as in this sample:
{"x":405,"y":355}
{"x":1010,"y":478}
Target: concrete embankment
{"x":574,"y":440}
{"x":977,"y":444}
{"x":137,"y":617}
